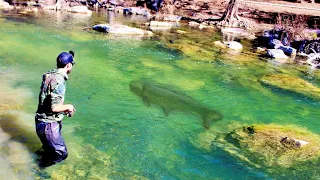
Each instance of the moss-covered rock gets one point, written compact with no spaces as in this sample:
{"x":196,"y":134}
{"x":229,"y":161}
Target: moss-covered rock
{"x":274,"y":148}
{"x":193,"y":50}
{"x":292,"y":84}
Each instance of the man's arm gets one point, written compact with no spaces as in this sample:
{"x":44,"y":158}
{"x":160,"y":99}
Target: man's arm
{"x":57,"y":96}
{"x":67,"y":108}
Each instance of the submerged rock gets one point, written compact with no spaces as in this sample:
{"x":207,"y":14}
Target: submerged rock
{"x":274,"y":148}
{"x":276,"y":54}
{"x":193,"y":51}
{"x":292,"y":84}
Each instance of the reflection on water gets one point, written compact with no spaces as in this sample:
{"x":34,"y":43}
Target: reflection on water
{"x":114,"y":135}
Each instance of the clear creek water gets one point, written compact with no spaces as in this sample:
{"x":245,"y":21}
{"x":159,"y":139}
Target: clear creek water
{"x":113,"y":134}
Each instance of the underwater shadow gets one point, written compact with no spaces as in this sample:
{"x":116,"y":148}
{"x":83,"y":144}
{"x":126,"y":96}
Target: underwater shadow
{"x":18,"y":132}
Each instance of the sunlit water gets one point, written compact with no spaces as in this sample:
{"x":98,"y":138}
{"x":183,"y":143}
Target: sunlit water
{"x":113,"y":133}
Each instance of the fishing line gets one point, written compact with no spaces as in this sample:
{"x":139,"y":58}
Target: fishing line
{"x":87,"y":98}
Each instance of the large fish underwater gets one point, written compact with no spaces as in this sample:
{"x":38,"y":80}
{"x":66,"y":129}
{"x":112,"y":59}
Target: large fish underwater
{"x":169,"y":100}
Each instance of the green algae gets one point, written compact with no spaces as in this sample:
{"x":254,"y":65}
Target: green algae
{"x":292,"y":84}
{"x":148,"y":62}
{"x":193,"y":51}
{"x":89,"y":163}
{"x":261,"y":146}
{"x":192,"y":44}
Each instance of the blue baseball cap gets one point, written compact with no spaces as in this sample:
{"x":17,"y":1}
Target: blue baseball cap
{"x":64,"y":58}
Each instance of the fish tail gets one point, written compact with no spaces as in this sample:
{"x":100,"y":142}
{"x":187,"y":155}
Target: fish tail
{"x":206,"y":122}
{"x":210,"y":116}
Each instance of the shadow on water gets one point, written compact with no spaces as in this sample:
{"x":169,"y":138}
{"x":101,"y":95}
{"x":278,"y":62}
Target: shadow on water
{"x":20,"y":148}
{"x":20,"y":133}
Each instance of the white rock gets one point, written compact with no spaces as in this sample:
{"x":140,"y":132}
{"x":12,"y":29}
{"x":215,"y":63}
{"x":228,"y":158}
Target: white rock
{"x":276,"y":54}
{"x":234,"y":45}
{"x":5,"y":5}
{"x":79,"y":9}
{"x":126,"y":30}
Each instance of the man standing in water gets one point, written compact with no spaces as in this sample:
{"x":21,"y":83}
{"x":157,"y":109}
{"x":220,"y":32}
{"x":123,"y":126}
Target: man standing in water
{"x":51,"y":109}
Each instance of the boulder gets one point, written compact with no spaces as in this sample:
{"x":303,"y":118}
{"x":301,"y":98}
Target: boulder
{"x":234,"y":45}
{"x":101,"y":28}
{"x":276,"y":54}
{"x":120,"y":30}
{"x":277,"y":44}
{"x":313,"y":59}
{"x":136,"y":10}
{"x":5,"y":5}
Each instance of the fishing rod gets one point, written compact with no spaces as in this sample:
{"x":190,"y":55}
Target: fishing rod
{"x":87,"y":98}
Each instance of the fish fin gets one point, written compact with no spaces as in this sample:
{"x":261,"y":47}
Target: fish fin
{"x":166,"y":111}
{"x":146,"y":101}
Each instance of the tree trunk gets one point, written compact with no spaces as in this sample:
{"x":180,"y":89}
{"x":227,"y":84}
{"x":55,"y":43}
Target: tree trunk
{"x":230,"y":17}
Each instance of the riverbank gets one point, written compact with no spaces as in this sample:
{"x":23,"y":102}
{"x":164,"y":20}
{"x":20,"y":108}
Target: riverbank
{"x":256,"y":15}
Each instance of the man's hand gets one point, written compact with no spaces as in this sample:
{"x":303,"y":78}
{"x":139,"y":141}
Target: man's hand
{"x":68,"y":109}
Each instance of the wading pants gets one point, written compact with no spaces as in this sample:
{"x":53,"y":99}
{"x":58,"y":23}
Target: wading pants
{"x":52,"y":141}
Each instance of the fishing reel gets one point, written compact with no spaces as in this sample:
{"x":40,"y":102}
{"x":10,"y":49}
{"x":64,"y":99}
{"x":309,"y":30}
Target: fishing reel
{"x":68,"y":114}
